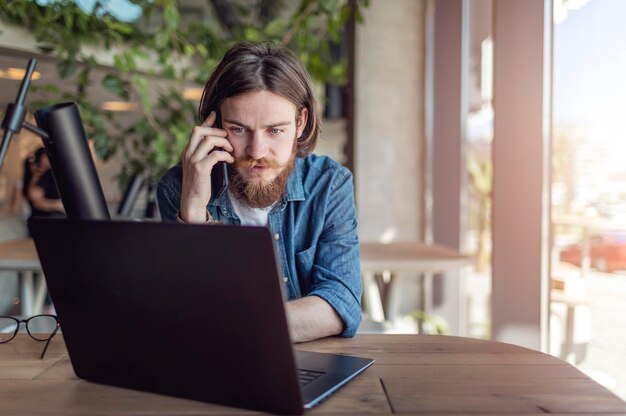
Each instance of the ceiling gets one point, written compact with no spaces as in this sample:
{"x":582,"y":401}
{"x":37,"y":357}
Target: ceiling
{"x":49,"y":75}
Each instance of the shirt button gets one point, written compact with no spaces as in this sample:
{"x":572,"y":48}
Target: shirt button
{"x":276,"y":236}
{"x":285,"y":279}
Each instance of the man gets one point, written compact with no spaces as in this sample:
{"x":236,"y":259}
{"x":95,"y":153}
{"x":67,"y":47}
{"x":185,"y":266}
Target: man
{"x":260,"y":117}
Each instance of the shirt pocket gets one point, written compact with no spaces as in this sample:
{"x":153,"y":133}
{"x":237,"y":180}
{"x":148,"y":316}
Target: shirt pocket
{"x":304,"y":266}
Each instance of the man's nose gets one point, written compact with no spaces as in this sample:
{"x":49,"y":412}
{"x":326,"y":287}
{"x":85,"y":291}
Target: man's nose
{"x":257,"y":148}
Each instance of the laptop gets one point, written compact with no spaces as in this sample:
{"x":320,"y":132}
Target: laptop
{"x":183,"y":310}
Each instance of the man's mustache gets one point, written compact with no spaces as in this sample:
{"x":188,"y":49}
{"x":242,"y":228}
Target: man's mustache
{"x":249,"y":163}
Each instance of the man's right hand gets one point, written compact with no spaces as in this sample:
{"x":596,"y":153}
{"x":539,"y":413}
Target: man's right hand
{"x":198,"y":162}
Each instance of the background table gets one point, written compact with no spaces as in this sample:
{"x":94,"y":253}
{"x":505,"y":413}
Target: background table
{"x":21,"y":256}
{"x":420,"y":259}
{"x":417,"y":374}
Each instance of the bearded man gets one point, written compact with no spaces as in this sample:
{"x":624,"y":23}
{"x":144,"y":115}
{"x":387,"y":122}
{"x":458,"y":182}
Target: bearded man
{"x":260,"y":116}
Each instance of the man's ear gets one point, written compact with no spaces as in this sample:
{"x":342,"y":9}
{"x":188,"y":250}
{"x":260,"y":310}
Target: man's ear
{"x":301,"y":121}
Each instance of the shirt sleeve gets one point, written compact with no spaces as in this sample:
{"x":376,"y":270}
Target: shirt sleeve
{"x":336,"y":270}
{"x":168,"y":197}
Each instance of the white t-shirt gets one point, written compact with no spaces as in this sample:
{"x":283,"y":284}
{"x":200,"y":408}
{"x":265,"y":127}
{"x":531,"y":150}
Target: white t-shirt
{"x":247,"y":215}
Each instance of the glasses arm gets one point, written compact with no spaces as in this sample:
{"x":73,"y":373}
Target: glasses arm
{"x":49,"y":339}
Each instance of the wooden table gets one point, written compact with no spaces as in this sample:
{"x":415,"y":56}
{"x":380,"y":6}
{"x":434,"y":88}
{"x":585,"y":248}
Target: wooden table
{"x":420,"y":259}
{"x":21,"y":256}
{"x":416,"y":374}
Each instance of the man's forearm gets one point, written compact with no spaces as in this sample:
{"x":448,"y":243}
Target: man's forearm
{"x":312,"y":317}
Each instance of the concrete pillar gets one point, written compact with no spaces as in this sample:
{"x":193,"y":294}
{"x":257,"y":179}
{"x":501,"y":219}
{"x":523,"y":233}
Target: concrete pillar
{"x":389,"y":120}
{"x":522,"y":41}
{"x":449,"y":101}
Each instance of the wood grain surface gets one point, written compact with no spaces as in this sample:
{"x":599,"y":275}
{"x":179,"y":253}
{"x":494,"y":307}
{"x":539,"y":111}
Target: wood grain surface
{"x":413,"y":374}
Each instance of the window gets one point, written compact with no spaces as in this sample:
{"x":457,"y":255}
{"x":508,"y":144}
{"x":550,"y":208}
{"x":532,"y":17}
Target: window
{"x":589,"y":189}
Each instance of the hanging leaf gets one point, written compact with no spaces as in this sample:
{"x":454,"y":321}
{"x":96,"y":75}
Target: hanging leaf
{"x":171,"y":17}
{"x":116,"y":85}
{"x":142,"y":87}
{"x":66,"y":67}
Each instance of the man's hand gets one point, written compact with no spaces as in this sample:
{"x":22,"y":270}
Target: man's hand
{"x":198,"y":161}
{"x":311,"y":317}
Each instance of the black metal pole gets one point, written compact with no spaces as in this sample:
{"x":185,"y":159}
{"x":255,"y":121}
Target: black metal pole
{"x":14,"y":116}
{"x":63,"y":135}
{"x":72,"y":165}
{"x":130,"y":196}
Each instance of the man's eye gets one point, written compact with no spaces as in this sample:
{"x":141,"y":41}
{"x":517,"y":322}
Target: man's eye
{"x":238,"y":130}
{"x":276,"y":131}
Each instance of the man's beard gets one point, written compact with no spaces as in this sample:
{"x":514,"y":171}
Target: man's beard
{"x":252,"y":191}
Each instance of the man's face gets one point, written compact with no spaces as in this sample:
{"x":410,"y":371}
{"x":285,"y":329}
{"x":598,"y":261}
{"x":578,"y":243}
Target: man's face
{"x":262,"y":127}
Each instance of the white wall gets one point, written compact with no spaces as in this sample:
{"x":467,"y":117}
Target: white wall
{"x":389,"y":119}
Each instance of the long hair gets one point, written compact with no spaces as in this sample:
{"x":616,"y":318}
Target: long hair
{"x":268,"y":66}
{"x":28,"y":173}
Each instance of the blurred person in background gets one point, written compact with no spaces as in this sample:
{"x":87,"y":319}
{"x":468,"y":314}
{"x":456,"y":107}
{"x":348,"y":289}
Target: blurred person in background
{"x":39,"y":188}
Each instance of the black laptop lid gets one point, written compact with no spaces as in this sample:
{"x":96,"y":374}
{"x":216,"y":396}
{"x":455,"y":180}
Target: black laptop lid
{"x":183,"y":310}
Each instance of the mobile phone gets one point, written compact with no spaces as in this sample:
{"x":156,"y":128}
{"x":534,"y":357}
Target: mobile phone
{"x":219,"y":178}
{"x":219,"y":174}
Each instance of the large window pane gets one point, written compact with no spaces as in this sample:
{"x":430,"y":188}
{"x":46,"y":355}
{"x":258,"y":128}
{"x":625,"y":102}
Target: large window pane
{"x":589,"y":189}
{"x":479,"y":138}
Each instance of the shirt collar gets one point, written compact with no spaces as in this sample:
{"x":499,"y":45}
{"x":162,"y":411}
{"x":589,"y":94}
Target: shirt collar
{"x":295,"y":189}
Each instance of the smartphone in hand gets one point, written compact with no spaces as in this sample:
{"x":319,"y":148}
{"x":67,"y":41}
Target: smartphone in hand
{"x":219,"y":178}
{"x":219,"y":174}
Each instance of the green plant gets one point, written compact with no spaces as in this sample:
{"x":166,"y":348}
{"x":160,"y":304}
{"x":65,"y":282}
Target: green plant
{"x":431,"y":324}
{"x":480,"y":170}
{"x":155,"y":58}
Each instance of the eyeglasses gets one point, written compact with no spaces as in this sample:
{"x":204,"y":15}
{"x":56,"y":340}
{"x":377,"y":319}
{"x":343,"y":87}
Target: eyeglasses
{"x":39,"y":327}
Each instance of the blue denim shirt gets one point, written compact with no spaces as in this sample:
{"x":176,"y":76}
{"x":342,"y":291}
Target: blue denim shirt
{"x":315,"y":228}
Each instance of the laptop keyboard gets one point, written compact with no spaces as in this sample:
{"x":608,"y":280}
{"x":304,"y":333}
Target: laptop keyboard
{"x":307,"y":376}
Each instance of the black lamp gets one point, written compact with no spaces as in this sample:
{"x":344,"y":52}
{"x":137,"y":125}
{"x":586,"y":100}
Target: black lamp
{"x":63,"y":135}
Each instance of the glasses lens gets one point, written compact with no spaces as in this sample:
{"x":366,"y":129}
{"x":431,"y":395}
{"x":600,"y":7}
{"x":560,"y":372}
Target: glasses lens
{"x":40,"y":327}
{"x":7,"y":328}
